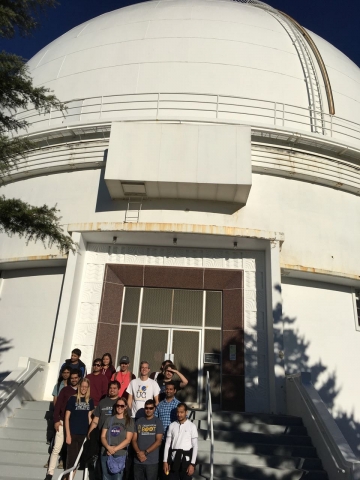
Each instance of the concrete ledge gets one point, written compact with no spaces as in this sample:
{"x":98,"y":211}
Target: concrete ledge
{"x":35,"y":261}
{"x":319,"y":275}
{"x":177,"y":228}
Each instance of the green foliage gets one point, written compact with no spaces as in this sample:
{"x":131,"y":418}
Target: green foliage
{"x":18,"y":15}
{"x":17,"y":92}
{"x":32,"y":223}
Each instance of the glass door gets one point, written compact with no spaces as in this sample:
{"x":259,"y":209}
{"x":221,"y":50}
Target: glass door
{"x":185,"y":345}
{"x":154,"y":345}
{"x":186,"y":349}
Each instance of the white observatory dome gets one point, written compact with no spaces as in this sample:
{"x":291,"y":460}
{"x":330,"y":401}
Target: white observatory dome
{"x":212,"y":47}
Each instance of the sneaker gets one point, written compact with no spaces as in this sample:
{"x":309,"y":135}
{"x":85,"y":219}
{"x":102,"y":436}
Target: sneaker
{"x":60,"y":464}
{"x":46,"y":464}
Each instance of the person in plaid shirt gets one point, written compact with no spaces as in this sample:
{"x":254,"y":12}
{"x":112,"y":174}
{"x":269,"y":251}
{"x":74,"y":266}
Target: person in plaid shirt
{"x":166,"y":410}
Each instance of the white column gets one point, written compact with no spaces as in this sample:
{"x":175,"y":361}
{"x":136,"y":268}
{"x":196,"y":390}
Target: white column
{"x":62,"y":344}
{"x":275,"y":330}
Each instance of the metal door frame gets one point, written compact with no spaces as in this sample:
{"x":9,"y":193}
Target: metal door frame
{"x":170,"y":330}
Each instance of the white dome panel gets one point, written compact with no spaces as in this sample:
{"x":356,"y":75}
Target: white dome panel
{"x":211,"y":29}
{"x":225,"y":79}
{"x":201,"y":47}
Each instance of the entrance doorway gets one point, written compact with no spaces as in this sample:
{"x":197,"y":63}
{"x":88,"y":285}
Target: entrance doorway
{"x":186,"y":348}
{"x":179,"y":322}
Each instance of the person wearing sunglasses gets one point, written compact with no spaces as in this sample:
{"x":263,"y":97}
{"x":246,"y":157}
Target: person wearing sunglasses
{"x":116,"y":435}
{"x":98,"y":382}
{"x":146,"y":443}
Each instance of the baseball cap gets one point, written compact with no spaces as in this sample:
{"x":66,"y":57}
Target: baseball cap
{"x":124,"y":359}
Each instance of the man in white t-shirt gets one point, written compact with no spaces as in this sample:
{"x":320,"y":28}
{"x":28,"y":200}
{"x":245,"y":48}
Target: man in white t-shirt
{"x":140,"y":390}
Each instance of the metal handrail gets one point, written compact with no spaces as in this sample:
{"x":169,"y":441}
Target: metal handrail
{"x":276,"y":113}
{"x":19,"y":381}
{"x":321,"y":429}
{"x":316,"y":423}
{"x":75,"y":466}
{"x":210,"y":424}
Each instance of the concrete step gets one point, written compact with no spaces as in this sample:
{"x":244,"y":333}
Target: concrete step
{"x":33,"y":423}
{"x":23,"y":446}
{"x":25,"y":472}
{"x":32,"y":414}
{"x":251,"y":438}
{"x":238,"y":417}
{"x":38,"y":405}
{"x":23,"y":434}
{"x":23,"y":458}
{"x":273,"y":461}
{"x":259,"y":449}
{"x":254,"y":427}
{"x":246,"y":472}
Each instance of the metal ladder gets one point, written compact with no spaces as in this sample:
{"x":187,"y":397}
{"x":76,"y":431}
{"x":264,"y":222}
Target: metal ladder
{"x":132,"y":214}
{"x":317,"y":123}
{"x":311,"y":78}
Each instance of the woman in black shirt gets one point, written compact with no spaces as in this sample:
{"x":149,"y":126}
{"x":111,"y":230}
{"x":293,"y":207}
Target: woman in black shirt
{"x":78,"y":413}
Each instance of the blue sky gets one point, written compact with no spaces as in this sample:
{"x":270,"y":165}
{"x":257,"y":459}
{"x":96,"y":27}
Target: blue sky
{"x":335,"y":20}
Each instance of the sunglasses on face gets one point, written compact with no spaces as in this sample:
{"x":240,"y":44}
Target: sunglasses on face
{"x":96,"y":364}
{"x":120,"y":405}
{"x":149,"y":408}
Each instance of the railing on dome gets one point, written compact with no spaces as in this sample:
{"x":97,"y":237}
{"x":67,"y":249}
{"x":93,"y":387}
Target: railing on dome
{"x":178,"y":106}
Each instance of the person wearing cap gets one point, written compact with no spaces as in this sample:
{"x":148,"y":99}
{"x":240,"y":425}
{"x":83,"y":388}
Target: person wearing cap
{"x":124,"y":376}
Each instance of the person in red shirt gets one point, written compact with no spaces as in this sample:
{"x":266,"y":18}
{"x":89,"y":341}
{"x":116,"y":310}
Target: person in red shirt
{"x":98,"y":382}
{"x":124,"y":376}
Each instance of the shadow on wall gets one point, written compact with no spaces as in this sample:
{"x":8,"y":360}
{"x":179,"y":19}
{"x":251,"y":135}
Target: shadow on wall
{"x":5,"y":346}
{"x":297,"y":360}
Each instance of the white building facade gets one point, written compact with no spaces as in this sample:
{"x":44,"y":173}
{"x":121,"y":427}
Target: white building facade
{"x":208,"y":167}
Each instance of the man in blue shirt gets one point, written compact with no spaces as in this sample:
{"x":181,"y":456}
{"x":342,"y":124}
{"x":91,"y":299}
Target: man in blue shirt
{"x":166,"y":411}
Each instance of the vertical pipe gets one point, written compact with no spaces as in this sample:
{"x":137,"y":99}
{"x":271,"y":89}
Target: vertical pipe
{"x":331,"y":125}
{"x":101,"y":106}
{"x":275,"y":108}
{"x":283,"y":119}
{"x":82,"y":103}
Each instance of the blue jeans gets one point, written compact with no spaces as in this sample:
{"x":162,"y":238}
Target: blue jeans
{"x":106,"y":475}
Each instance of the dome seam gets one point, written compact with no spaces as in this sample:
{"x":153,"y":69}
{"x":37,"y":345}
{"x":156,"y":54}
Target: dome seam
{"x":160,"y":38}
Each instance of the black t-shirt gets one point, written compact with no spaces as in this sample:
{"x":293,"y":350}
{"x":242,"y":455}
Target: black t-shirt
{"x":79,"y":415}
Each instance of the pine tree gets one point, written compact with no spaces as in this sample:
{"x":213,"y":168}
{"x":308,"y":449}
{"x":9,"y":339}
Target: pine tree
{"x":18,"y":92}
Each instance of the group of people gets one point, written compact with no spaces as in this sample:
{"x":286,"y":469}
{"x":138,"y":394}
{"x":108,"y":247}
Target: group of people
{"x":135,"y":428}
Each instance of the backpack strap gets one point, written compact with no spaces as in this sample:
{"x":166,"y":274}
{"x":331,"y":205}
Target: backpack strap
{"x":108,"y":432}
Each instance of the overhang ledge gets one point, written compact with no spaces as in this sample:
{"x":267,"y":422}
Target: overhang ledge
{"x":177,"y":228}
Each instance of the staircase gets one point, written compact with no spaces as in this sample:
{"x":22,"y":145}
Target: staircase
{"x":257,"y":446}
{"x":23,"y":448}
{"x":247,"y":446}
